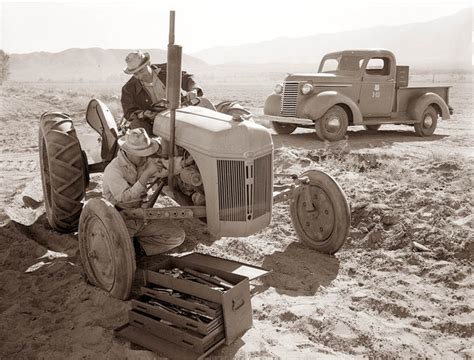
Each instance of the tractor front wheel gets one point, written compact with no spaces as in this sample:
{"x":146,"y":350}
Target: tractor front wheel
{"x":320,"y":213}
{"x":63,"y":171}
{"x":106,"y":248}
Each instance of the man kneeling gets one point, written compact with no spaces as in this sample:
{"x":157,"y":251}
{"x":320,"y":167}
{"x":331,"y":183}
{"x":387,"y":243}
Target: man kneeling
{"x":125,"y":186}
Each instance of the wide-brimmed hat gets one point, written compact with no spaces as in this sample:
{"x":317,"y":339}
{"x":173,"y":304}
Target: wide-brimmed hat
{"x":137,"y":142}
{"x":136,"y":61}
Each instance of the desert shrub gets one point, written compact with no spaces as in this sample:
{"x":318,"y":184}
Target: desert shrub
{"x":4,"y":66}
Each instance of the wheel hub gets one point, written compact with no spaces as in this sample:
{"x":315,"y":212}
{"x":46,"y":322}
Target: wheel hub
{"x":318,"y":223}
{"x":100,"y":255}
{"x":333,"y":124}
{"x":428,"y":121}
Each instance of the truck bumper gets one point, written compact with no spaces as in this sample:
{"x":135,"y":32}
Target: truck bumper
{"x":287,"y":120}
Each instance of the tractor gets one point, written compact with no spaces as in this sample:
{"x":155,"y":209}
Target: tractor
{"x":227,"y":182}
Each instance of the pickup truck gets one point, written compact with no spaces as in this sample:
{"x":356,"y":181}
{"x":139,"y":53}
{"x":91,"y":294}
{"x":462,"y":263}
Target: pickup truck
{"x":355,"y":87}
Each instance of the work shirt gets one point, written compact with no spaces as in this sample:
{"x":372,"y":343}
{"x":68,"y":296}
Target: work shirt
{"x":156,"y":89}
{"x":120,"y":182}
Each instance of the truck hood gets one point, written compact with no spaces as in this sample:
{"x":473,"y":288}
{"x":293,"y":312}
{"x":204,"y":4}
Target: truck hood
{"x":320,"y":78}
{"x":214,"y":133}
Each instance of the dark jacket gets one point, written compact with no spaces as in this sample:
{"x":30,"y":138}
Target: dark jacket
{"x":135,"y":97}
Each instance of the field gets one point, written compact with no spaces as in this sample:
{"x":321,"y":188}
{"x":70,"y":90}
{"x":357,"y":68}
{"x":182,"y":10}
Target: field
{"x":401,"y":286}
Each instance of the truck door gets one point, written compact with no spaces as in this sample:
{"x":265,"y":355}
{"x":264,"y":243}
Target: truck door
{"x":378,"y":88}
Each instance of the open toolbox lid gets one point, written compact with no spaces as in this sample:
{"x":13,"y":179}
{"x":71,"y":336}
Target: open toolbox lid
{"x":235,"y":267}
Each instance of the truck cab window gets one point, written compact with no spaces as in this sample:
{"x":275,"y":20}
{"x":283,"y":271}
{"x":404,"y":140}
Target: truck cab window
{"x":378,"y":66}
{"x":350,"y":64}
{"x":342,"y":65}
{"x":330,"y":65}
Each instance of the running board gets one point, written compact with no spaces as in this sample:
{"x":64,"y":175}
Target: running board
{"x":288,"y":120}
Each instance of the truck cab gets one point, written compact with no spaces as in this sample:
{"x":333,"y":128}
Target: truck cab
{"x":373,"y":74}
{"x":354,"y":87}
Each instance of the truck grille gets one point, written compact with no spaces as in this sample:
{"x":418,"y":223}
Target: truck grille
{"x":289,"y":98}
{"x":244,"y":188}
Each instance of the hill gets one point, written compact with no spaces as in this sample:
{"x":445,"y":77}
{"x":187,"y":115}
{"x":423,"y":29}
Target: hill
{"x":442,"y":43}
{"x":92,"y":64}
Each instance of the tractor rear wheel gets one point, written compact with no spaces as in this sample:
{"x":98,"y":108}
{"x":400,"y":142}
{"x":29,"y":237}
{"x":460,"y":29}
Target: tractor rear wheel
{"x":427,"y":125}
{"x":332,"y":126}
{"x":322,"y":224}
{"x":63,"y":171}
{"x":107,"y":251}
{"x":283,"y":128}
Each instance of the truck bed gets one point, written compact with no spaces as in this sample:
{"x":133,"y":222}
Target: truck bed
{"x":406,"y":94}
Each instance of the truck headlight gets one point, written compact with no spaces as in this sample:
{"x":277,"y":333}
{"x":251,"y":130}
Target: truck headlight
{"x":278,"y":89}
{"x":306,"y":89}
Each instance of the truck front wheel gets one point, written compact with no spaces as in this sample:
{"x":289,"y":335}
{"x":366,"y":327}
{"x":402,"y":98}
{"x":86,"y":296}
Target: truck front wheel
{"x":283,"y":128}
{"x":332,"y":126}
{"x":320,"y":213}
{"x":428,"y":123}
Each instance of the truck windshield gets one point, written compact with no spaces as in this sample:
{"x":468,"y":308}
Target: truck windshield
{"x":343,"y":64}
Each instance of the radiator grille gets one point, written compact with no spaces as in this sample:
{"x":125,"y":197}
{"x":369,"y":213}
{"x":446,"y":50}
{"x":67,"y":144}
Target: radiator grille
{"x":231,"y":187}
{"x":244,"y":188}
{"x":289,"y":98}
{"x":263,"y":185}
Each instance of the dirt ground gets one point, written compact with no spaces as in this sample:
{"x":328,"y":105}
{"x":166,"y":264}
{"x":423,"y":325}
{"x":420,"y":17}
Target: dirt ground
{"x":379,"y":297}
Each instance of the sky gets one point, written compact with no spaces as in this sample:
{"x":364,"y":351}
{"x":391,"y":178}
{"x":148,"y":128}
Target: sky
{"x":200,"y":24}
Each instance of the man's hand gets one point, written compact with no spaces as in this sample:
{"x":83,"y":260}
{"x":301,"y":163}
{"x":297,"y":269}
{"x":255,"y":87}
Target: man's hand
{"x":147,"y":114}
{"x":191,"y":97}
{"x":152,"y":168}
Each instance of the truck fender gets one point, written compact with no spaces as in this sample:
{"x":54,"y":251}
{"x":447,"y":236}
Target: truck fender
{"x":419,"y":105}
{"x":272,"y":105}
{"x":319,"y":104}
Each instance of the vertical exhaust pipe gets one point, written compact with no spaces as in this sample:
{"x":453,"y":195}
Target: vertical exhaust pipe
{"x":173,"y":93}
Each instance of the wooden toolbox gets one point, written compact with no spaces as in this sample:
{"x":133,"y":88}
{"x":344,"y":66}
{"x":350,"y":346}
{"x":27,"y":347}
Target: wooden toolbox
{"x":188,"y":319}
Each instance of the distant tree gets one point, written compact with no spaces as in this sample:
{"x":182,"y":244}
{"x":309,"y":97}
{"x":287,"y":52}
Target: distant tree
{"x":4,"y":66}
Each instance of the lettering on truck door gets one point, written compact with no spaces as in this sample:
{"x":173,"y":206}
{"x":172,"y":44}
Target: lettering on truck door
{"x":378,"y":88}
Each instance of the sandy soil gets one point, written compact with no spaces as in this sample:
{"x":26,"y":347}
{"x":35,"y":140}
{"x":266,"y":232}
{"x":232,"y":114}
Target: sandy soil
{"x":379,"y":297}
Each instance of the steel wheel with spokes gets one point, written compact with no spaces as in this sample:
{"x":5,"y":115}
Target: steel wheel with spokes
{"x":320,"y":213}
{"x":106,"y":248}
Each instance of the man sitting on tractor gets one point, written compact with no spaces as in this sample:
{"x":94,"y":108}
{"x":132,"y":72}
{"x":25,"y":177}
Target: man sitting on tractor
{"x":141,"y":94}
{"x":125,"y":186}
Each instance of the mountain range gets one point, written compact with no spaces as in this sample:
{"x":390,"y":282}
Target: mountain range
{"x":92,"y":64}
{"x":444,"y":43}
{"x":441,"y":43}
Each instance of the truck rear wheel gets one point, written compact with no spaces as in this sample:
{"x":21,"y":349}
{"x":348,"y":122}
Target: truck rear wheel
{"x":63,"y":171}
{"x":372,"y":127}
{"x":283,"y":128}
{"x":106,"y":248}
{"x":332,"y":126}
{"x":323,"y":227}
{"x":427,"y":125}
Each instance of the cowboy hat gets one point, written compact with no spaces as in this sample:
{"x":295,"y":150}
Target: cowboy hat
{"x":137,"y":142}
{"x":136,"y":61}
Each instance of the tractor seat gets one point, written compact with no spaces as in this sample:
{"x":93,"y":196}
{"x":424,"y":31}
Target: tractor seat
{"x":99,"y":117}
